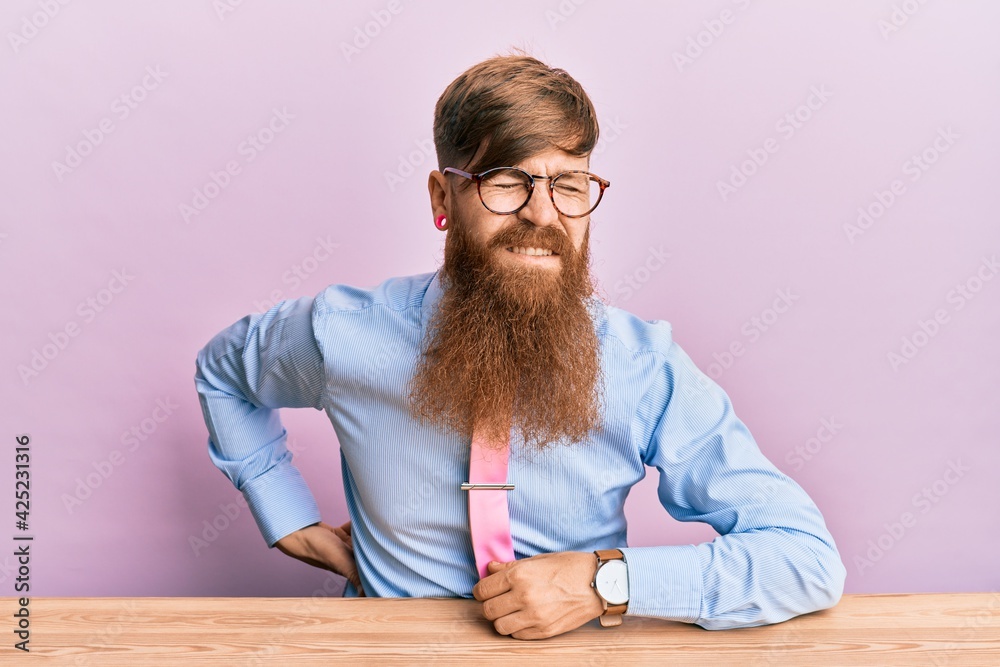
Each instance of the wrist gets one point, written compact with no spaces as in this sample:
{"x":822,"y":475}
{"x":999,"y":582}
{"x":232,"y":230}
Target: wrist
{"x":297,"y":540}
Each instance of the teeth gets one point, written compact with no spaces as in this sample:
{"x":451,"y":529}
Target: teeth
{"x":541,"y":252}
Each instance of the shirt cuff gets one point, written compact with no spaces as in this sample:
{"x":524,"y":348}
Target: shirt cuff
{"x":664,"y":582}
{"x":281,"y":502}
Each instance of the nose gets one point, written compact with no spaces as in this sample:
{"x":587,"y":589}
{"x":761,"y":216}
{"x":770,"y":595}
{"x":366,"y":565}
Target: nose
{"x":540,"y":210}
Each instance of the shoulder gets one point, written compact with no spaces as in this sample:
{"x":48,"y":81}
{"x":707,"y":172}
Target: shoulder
{"x":635,"y":334}
{"x":396,"y":293}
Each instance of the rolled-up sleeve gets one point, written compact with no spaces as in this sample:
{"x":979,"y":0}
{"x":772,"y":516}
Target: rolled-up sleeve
{"x":774,"y":557}
{"x":243,"y":375}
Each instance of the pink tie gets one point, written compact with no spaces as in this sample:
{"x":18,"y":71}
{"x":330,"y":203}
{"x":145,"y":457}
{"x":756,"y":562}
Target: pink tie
{"x":489,"y":517}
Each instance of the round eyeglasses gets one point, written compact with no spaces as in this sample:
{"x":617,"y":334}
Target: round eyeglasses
{"x":506,"y":190}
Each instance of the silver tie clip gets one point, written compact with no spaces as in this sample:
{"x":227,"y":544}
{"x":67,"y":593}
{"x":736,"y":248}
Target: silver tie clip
{"x":466,"y":486}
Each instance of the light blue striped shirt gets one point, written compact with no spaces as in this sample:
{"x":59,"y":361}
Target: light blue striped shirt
{"x":351,"y":352}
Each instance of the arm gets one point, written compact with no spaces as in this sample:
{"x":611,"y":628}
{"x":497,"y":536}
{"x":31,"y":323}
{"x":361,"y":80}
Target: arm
{"x":774,"y":558}
{"x":243,"y":375}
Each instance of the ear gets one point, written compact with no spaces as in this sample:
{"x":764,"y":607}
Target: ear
{"x":437,"y":188}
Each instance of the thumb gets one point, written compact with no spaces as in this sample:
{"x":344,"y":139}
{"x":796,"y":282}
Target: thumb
{"x":497,"y":566}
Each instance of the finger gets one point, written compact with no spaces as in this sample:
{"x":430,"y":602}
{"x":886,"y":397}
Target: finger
{"x":355,"y":580}
{"x":335,"y":554}
{"x":346,"y":527}
{"x":518,"y":622}
{"x":533,"y":632}
{"x":500,"y":606}
{"x":345,"y":538}
{"x":491,"y":586}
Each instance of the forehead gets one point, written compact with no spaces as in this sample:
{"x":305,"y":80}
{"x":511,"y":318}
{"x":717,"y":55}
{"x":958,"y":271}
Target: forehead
{"x":552,"y":162}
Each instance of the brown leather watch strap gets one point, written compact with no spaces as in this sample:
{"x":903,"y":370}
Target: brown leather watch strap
{"x":610,"y":620}
{"x":610,"y":554}
{"x":612,"y":615}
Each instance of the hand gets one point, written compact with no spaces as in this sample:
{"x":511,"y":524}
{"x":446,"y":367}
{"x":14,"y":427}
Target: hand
{"x":541,"y":596}
{"x":323,"y":546}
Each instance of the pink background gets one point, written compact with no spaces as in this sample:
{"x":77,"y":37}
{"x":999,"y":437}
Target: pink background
{"x":671,"y":132}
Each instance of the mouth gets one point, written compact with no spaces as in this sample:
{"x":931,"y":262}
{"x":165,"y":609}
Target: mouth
{"x":531,"y":251}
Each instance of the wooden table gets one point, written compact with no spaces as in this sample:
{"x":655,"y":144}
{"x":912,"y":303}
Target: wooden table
{"x":939,"y":629}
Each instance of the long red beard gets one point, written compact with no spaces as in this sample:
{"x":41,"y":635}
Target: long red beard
{"x":512,"y":345}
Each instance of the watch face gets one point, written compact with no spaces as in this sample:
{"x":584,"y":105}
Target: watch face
{"x":612,"y":582}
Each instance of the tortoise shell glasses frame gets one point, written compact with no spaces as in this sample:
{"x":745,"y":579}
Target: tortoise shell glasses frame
{"x":479,"y":178}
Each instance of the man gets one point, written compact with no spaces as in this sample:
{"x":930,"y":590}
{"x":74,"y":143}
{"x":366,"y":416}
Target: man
{"x":506,"y":339}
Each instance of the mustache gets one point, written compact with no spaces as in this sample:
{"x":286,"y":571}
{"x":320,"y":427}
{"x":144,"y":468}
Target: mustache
{"x":526,"y":235}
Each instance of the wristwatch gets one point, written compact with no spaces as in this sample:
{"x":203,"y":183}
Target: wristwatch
{"x":611,"y":583}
